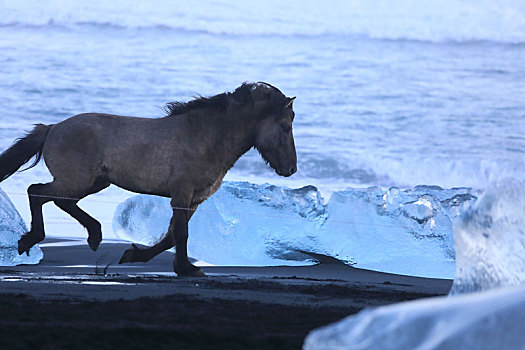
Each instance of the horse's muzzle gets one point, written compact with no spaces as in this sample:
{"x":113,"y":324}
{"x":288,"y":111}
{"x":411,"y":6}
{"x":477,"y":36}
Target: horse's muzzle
{"x":292,"y":170}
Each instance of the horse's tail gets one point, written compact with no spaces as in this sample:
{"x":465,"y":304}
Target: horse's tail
{"x":23,"y":150}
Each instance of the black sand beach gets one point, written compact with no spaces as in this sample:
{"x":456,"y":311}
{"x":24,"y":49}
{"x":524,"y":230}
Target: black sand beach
{"x":73,"y":299}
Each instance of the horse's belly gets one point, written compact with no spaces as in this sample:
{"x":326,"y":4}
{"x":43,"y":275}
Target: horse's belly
{"x":201,"y":195}
{"x":151,"y":181}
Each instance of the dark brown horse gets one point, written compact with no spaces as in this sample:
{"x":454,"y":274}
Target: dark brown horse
{"x":183,"y":155}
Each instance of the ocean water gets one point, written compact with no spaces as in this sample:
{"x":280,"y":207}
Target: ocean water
{"x":389,"y":93}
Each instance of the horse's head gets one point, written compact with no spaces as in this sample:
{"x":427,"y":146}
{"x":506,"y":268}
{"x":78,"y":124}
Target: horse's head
{"x":274,"y":136}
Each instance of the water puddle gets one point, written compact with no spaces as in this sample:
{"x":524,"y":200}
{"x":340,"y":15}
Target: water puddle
{"x":106,"y":283}
{"x":11,"y":279}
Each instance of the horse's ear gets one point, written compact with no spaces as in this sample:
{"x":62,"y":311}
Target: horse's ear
{"x":289,"y":102}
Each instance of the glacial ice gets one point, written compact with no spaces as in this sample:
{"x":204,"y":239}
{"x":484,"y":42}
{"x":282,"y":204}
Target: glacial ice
{"x":490,"y":260}
{"x":488,"y":320}
{"x":262,"y":225}
{"x":490,"y":240}
{"x":11,"y":228}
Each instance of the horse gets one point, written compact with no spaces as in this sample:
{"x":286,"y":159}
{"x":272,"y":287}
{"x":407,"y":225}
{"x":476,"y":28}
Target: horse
{"x":183,"y":155}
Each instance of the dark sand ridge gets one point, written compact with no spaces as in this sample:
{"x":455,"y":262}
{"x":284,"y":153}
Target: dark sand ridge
{"x":67,"y":300}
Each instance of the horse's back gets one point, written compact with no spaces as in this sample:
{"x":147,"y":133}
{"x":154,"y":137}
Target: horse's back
{"x":86,"y":134}
{"x":93,"y":122}
{"x":93,"y":145}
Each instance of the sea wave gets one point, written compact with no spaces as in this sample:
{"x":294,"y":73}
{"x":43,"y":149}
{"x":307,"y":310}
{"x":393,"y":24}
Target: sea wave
{"x":465,"y":39}
{"x":449,"y":21}
{"x":380,"y":170}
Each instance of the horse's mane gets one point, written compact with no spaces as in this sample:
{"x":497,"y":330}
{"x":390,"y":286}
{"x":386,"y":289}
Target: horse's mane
{"x":218,"y":102}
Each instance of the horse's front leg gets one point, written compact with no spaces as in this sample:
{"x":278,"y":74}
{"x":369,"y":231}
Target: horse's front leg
{"x":181,"y":264}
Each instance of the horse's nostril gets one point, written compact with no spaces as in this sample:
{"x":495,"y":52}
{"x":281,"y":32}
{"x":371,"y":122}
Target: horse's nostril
{"x":293,"y":169}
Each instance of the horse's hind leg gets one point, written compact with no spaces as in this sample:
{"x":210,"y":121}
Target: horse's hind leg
{"x":136,"y":254}
{"x":93,"y":226}
{"x":39,"y":194}
{"x":69,"y":205}
{"x":66,"y":199}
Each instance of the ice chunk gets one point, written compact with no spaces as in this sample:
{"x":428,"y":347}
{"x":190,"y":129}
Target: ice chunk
{"x":389,"y":230}
{"x":250,"y":225}
{"x":490,"y":240}
{"x":11,"y":229}
{"x":236,"y":226}
{"x":488,"y":320}
{"x":490,"y":253}
{"x":142,"y":219}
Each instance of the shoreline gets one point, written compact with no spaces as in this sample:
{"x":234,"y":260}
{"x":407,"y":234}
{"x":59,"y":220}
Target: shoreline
{"x":234,"y":307}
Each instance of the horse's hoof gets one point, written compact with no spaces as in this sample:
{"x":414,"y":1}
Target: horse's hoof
{"x":129,"y":255}
{"x":126,"y":257}
{"x":189,"y":271}
{"x":94,"y":243}
{"x":25,"y":243}
{"x":21,"y":247}
{"x":198,"y":273}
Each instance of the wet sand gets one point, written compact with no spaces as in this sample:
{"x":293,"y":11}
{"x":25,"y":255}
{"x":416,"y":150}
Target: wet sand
{"x":76,"y":298}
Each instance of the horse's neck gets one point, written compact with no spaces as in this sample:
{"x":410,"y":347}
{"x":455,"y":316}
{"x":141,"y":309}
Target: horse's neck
{"x":233,"y":141}
{"x":219,"y":139}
